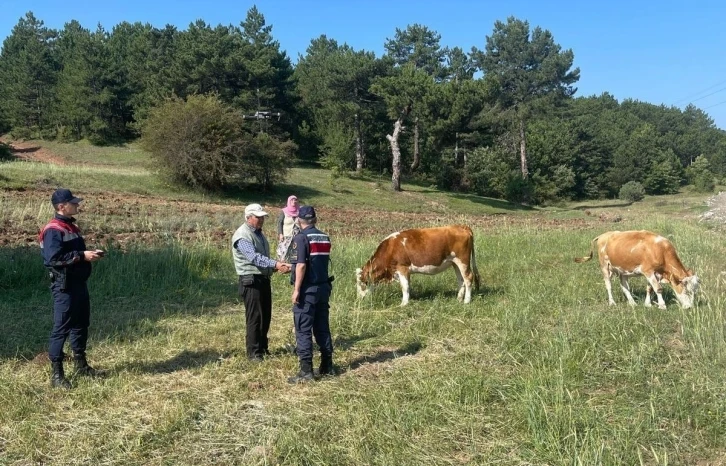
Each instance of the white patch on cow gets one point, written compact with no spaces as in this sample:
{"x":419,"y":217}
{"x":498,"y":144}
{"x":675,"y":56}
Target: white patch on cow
{"x":431,"y":269}
{"x":658,"y":239}
{"x":404,"y":287}
{"x":626,"y":273}
{"x":392,"y":235}
{"x":403,"y":242}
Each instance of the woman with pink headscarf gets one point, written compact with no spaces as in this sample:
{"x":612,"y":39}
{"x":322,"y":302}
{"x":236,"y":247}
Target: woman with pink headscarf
{"x":287,"y":227}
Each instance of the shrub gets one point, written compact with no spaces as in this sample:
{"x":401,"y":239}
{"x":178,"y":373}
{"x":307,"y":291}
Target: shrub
{"x":704,"y":183}
{"x":201,"y":142}
{"x":700,"y":174}
{"x":5,"y":153}
{"x":632,"y":191}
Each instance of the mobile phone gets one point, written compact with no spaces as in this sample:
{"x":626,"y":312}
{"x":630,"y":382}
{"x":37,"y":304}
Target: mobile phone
{"x":100,"y":253}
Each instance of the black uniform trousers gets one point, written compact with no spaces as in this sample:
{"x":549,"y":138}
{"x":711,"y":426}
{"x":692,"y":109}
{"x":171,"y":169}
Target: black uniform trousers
{"x":71,"y":317}
{"x":256,"y":292}
{"x":312,"y":318}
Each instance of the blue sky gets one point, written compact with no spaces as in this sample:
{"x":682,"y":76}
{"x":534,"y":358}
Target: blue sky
{"x":662,"y":52}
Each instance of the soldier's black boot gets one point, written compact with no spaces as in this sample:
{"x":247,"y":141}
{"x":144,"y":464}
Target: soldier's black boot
{"x":82,"y":367}
{"x":305,"y":374}
{"x":58,"y":377}
{"x":326,"y":365}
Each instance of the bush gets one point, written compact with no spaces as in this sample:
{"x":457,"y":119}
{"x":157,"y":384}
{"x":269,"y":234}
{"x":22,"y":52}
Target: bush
{"x":5,"y":153}
{"x":201,"y":142}
{"x":700,"y":174}
{"x":632,"y":191}
{"x":704,"y":183}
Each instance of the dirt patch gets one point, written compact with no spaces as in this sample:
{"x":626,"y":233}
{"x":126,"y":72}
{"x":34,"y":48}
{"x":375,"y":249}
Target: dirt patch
{"x":32,"y":152}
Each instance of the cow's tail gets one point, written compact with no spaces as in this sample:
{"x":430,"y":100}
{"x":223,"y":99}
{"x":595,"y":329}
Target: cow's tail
{"x":592,"y":251}
{"x":472,"y":262}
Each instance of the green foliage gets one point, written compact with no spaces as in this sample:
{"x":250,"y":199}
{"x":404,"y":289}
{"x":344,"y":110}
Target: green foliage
{"x":337,"y":147}
{"x":489,"y":171}
{"x":27,"y":75}
{"x":704,"y":183}
{"x":5,"y":153}
{"x":700,"y":175}
{"x":265,"y":160}
{"x":632,"y":191}
{"x":520,"y":190}
{"x":200,"y":142}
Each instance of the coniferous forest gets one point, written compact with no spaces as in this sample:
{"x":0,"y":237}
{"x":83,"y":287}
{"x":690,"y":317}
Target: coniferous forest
{"x":222,"y":106}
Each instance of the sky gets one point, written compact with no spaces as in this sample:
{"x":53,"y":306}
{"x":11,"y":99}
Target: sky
{"x":661,"y":52}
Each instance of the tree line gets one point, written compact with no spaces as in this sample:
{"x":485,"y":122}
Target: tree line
{"x":222,"y":106}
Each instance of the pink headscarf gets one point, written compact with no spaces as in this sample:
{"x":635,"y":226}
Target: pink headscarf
{"x":291,"y":210}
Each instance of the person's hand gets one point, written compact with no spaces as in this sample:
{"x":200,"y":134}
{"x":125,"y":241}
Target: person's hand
{"x":283,"y":267}
{"x":92,"y":256}
{"x":280,"y":237}
{"x":295,"y":295}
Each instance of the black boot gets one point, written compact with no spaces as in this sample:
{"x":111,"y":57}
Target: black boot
{"x":58,"y":378}
{"x":305,"y":374}
{"x":82,"y":367}
{"x":326,"y":365}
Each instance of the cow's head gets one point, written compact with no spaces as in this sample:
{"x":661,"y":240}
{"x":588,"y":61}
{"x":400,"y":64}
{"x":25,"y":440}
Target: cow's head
{"x":360,"y":283}
{"x":370,"y":275}
{"x":686,"y":290}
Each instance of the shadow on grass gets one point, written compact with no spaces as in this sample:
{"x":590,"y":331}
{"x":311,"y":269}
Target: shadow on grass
{"x":603,"y":206}
{"x":182,"y":361}
{"x":25,"y":150}
{"x":348,"y":341}
{"x":383,"y":356}
{"x":432,"y":293}
{"x":130,"y":293}
{"x":493,"y":203}
{"x":276,"y":196}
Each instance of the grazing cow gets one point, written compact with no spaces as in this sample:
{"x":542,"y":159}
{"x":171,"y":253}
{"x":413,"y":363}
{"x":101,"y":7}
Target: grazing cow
{"x":628,"y":253}
{"x":422,"y":250}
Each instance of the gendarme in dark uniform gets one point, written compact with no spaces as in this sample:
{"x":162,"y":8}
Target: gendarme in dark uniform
{"x":69,"y":266}
{"x":310,"y":258}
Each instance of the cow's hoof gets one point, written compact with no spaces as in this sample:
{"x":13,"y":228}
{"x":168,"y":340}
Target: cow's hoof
{"x":662,"y":308}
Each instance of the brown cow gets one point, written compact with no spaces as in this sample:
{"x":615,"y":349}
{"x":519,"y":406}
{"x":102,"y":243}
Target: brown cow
{"x":629,"y":253}
{"x":422,"y":250}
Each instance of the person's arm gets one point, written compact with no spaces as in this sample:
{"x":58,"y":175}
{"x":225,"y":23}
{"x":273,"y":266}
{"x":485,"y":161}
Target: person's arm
{"x":53,"y":255}
{"x":280,"y":225}
{"x":257,"y":259}
{"x":300,"y":268}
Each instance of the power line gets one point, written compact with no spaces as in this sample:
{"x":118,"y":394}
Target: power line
{"x":699,"y":92}
{"x":708,"y":95}
{"x":714,"y":105}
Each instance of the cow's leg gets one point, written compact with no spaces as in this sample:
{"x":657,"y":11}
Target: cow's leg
{"x":654,"y":282}
{"x":647,"y":303}
{"x":403,"y":278}
{"x":626,"y":289}
{"x":463,"y":275}
{"x":608,"y":284}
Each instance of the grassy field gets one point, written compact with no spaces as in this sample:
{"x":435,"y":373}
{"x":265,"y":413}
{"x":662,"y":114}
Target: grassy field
{"x":537,"y":370}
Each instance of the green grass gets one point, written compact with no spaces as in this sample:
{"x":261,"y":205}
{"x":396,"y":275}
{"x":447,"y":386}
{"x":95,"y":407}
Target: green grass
{"x":85,"y":153}
{"x":538,"y":369}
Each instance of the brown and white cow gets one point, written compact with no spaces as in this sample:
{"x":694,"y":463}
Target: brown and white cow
{"x":422,"y":250}
{"x":629,"y":253}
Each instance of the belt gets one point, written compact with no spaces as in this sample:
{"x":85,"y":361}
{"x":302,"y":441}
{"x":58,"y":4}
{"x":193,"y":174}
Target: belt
{"x":256,"y":275}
